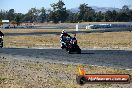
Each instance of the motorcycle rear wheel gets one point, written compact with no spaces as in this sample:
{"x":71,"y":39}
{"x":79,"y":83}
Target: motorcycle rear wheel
{"x":1,"y":45}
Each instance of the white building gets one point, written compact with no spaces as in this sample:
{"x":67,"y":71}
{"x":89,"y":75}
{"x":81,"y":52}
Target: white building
{"x":5,"y":24}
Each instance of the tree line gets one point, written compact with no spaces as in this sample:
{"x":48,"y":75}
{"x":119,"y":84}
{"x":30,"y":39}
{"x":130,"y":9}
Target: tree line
{"x":59,"y":13}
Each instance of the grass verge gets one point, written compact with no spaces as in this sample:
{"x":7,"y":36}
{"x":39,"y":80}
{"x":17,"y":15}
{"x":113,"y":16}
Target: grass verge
{"x":113,"y":40}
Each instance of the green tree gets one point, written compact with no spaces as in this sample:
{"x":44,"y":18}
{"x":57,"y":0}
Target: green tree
{"x":114,"y":15}
{"x":59,"y":12}
{"x":43,"y":16}
{"x":2,"y":14}
{"x":99,"y":16}
{"x":32,"y":15}
{"x":130,"y":15}
{"x":27,"y":18}
{"x":123,"y":15}
{"x":11,"y":14}
{"x":108,"y":16}
{"x":18,"y":18}
{"x":86,"y":13}
{"x":125,"y":9}
{"x":72,"y":18}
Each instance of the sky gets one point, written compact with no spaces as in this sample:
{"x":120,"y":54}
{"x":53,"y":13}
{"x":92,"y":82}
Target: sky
{"x":22,"y":6}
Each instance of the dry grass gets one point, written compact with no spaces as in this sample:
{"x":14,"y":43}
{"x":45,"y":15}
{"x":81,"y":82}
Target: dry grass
{"x":114,"y":40}
{"x":32,"y":30}
{"x":28,"y":30}
{"x":104,"y":40}
{"x":31,"y":41}
{"x":36,"y":74}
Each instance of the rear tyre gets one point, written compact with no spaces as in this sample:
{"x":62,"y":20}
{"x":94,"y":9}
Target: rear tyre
{"x":79,"y":51}
{"x":1,"y":45}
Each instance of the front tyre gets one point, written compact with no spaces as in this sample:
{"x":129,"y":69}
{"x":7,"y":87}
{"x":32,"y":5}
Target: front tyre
{"x":69,"y":51}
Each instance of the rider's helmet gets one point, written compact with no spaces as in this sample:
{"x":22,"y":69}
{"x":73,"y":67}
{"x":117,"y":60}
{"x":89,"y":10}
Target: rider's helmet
{"x":63,"y":31}
{"x":75,"y":35}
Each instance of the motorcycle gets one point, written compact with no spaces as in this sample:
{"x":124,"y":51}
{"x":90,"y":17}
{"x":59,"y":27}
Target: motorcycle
{"x":71,"y":45}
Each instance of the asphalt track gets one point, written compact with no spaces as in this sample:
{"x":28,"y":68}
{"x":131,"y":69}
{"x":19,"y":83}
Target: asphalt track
{"x":109,"y":58}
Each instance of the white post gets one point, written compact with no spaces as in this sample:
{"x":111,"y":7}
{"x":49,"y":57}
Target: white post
{"x":77,"y":26}
{"x":86,"y":27}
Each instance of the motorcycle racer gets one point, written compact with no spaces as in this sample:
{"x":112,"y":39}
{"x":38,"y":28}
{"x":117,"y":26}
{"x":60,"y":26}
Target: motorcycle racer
{"x":63,"y":38}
